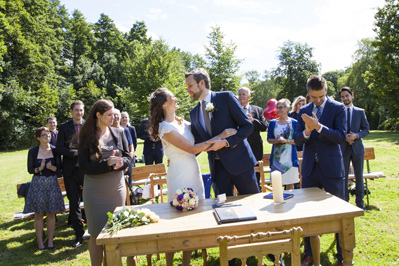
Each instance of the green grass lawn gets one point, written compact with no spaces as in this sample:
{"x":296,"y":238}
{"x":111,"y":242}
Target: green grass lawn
{"x":376,"y":232}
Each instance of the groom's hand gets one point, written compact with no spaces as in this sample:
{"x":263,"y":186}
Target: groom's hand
{"x":217,"y":145}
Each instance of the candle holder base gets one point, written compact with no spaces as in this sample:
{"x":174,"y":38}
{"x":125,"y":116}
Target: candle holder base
{"x":278,"y":203}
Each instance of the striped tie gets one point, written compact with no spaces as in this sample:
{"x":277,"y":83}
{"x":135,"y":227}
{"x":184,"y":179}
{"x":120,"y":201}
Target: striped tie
{"x":318,"y":112}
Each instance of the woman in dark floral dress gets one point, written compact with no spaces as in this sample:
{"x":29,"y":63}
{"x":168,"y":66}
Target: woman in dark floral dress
{"x":44,"y":196}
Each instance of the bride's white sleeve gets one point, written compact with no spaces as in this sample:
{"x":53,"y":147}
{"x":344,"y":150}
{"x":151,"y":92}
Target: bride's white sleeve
{"x":164,"y":128}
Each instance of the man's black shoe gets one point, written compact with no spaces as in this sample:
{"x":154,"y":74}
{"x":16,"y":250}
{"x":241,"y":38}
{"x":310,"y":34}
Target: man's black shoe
{"x":78,"y":242}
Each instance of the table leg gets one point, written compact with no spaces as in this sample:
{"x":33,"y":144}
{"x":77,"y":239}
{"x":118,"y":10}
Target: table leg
{"x":347,"y":240}
{"x":315,"y":245}
{"x":113,"y":255}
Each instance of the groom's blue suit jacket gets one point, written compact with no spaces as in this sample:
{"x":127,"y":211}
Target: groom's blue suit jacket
{"x":237,"y":158}
{"x":325,"y":144}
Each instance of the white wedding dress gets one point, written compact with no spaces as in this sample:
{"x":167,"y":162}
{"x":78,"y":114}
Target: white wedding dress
{"x":183,"y":170}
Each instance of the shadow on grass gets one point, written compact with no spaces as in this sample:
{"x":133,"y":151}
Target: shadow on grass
{"x":384,"y":135}
{"x":14,"y":249}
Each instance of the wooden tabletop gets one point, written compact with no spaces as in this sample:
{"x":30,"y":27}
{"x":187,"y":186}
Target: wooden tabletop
{"x":308,"y":206}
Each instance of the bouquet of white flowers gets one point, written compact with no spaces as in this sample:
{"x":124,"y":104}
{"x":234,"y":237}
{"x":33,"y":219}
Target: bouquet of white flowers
{"x":127,"y":217}
{"x":185,"y":199}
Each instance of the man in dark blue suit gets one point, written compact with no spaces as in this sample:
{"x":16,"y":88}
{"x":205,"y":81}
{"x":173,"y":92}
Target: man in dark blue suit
{"x":352,"y":148}
{"x":153,"y":150}
{"x":231,"y":160}
{"x":321,"y":129}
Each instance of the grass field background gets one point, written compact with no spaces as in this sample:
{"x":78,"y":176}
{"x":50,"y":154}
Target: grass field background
{"x":376,"y":232}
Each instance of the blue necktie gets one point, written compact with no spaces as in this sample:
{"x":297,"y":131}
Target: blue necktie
{"x":318,"y":112}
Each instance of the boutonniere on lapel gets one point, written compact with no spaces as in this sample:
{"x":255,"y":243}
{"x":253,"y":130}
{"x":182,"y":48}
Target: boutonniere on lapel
{"x":210,"y":108}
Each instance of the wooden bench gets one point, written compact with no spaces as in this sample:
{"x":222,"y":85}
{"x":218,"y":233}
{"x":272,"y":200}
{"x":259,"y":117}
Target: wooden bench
{"x":19,"y":216}
{"x":369,"y":155}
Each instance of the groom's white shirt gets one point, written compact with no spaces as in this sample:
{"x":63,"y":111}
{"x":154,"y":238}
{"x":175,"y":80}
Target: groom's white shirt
{"x":201,"y":117}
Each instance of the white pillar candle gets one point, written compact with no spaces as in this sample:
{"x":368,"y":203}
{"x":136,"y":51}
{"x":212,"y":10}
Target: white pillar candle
{"x":277,"y":185}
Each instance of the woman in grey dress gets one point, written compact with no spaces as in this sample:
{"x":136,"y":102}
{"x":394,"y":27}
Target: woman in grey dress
{"x":103,"y":156}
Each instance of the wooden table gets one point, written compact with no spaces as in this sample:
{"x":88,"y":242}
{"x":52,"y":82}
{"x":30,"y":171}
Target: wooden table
{"x":316,"y":211}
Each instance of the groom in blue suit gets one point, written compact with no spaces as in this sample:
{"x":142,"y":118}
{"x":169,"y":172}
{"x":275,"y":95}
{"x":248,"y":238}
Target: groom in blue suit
{"x":321,"y":129}
{"x":231,"y":160}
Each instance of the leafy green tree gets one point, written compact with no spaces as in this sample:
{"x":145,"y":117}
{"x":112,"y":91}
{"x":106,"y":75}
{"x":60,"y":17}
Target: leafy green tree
{"x":355,"y":78}
{"x":90,"y":94}
{"x":149,"y":67}
{"x":222,"y":65}
{"x":384,"y":77}
{"x":138,"y":32}
{"x":295,"y":67}
{"x":16,"y":104}
{"x":190,"y":61}
{"x":333,"y":77}
{"x":264,"y":90}
{"x":79,"y":48}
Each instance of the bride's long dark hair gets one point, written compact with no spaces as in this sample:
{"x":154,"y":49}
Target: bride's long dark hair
{"x":157,"y":99}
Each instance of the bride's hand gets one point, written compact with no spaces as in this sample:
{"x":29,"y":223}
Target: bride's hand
{"x":228,"y":132}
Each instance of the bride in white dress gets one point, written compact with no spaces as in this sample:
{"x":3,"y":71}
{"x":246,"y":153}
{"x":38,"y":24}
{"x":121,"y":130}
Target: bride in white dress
{"x":179,"y":147}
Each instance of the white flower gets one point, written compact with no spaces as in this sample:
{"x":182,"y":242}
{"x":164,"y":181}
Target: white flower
{"x":210,"y":107}
{"x":144,"y":219}
{"x":178,"y":192}
{"x":186,"y":196}
{"x":175,"y":203}
{"x":192,"y":202}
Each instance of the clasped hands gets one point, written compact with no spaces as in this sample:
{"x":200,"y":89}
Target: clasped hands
{"x":350,"y":138}
{"x":115,"y":161}
{"x":311,"y":123}
{"x":47,"y":165}
{"x":219,"y":141}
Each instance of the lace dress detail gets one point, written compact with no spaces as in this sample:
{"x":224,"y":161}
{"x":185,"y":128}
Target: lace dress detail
{"x":183,"y":170}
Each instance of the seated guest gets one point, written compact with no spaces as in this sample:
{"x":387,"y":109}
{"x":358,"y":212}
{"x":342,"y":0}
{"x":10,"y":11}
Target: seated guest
{"x":284,"y":156}
{"x":103,"y":156}
{"x":44,"y":196}
{"x":298,"y":103}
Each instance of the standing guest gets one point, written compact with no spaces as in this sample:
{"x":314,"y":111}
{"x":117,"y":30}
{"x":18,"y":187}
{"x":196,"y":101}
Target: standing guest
{"x":231,"y":160}
{"x":116,"y":123}
{"x":52,"y":126}
{"x":153,"y":150}
{"x":271,"y":111}
{"x":298,"y":103}
{"x":44,"y":196}
{"x":255,"y":115}
{"x":284,"y":157}
{"x":126,"y":124}
{"x":352,"y":148}
{"x":296,"y":106}
{"x":322,"y":129}
{"x":103,"y":155}
{"x":67,"y":146}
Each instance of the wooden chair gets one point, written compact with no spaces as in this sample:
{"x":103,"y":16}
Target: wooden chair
{"x":149,"y":174}
{"x":261,"y":170}
{"x":250,"y":245}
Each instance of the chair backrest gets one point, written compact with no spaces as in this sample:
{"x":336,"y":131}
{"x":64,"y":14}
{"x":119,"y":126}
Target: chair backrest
{"x":151,"y":172}
{"x":266,"y":159}
{"x":260,"y":169}
{"x":143,"y":172}
{"x":276,"y":243}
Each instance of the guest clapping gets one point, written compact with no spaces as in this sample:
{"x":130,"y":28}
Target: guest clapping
{"x":281,"y":134}
{"x":103,"y":155}
{"x":44,"y":196}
